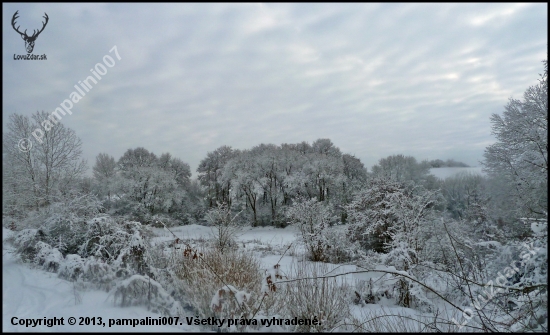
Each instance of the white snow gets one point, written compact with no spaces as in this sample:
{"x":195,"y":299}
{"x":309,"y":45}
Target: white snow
{"x":539,"y":227}
{"x":34,"y":293}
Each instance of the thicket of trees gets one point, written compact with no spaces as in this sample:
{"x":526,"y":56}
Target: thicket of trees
{"x":265,"y":180}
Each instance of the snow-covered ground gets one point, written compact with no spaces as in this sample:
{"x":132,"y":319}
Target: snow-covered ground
{"x":30,"y":293}
{"x":445,"y":172}
{"x":35,"y":294}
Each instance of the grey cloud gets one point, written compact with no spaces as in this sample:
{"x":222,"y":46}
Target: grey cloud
{"x":378,"y":79}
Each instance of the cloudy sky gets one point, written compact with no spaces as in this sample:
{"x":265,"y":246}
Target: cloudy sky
{"x":377,"y":79}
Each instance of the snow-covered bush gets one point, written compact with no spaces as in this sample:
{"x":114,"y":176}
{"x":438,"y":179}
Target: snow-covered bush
{"x":338,"y":248}
{"x":123,"y":206}
{"x":368,"y":292}
{"x":369,"y":213}
{"x":132,"y":257}
{"x":122,"y":244}
{"x":25,"y":243}
{"x":384,"y":283}
{"x":388,"y":215}
{"x":203,"y":273}
{"x":310,"y":295}
{"x":72,"y":268}
{"x":65,"y":232}
{"x":313,"y":218}
{"x":99,"y":273}
{"x":522,"y":266}
{"x":63,"y":223}
{"x":47,"y":257}
{"x":230,"y":301}
{"x":144,"y":291}
{"x":164,"y":261}
{"x":224,"y":226}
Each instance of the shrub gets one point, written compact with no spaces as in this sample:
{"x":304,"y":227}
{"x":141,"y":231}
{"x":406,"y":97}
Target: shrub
{"x":47,"y":257}
{"x":98,"y":272}
{"x":324,"y":298}
{"x":338,"y":248}
{"x":142,"y":290}
{"x":224,"y":226}
{"x":72,"y":268}
{"x":204,"y":274}
{"x":121,"y":244}
{"x":25,"y":243}
{"x":313,"y":219}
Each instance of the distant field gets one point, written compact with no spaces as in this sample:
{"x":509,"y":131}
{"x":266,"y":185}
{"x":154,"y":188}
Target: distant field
{"x":445,"y":172}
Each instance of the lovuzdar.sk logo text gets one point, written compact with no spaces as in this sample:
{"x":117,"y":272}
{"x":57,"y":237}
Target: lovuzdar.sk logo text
{"x":29,"y":40}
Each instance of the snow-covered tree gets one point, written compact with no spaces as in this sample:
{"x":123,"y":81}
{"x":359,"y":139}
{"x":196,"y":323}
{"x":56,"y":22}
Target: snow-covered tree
{"x":209,"y":172}
{"x":387,"y":215}
{"x":46,"y":171}
{"x":242,"y":173}
{"x":104,"y":167}
{"x":152,"y":185}
{"x":180,"y":171}
{"x":354,"y":170}
{"x":313,"y":219}
{"x":104,"y":173}
{"x":466,"y":196}
{"x":267,"y":178}
{"x":224,"y":226}
{"x":271,"y":178}
{"x":521,"y":151}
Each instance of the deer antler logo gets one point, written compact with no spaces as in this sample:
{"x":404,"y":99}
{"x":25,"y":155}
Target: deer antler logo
{"x":29,"y":40}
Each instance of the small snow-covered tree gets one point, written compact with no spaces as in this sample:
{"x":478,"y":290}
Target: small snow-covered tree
{"x":25,"y":242}
{"x":387,"y":215}
{"x":370,"y":213}
{"x":396,"y":221}
{"x":104,"y":173}
{"x":224,"y":225}
{"x":122,"y":244}
{"x":313,"y":218}
{"x":65,"y":224}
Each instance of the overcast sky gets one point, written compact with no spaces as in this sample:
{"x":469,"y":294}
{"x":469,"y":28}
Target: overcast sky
{"x":377,"y":79}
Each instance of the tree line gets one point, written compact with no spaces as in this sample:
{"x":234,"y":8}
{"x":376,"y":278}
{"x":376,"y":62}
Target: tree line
{"x":265,"y":180}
